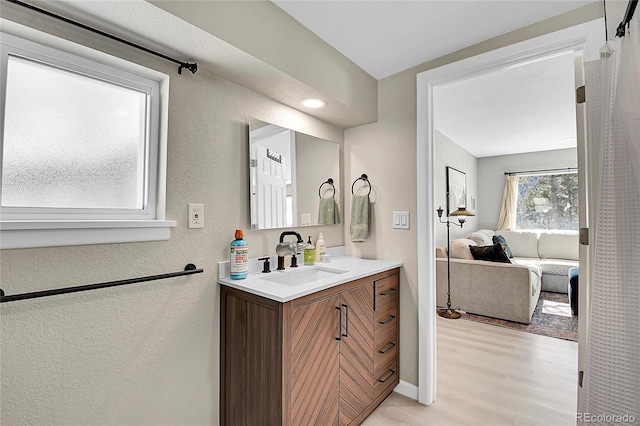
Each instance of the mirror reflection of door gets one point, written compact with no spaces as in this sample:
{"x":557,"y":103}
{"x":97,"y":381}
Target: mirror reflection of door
{"x":271,"y":151}
{"x":270,"y":189}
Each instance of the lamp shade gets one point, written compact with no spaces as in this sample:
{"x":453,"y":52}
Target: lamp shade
{"x":462,"y":211}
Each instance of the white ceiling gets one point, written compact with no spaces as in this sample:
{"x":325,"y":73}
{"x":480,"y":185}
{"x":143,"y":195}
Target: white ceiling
{"x":386,"y":37}
{"x":522,"y":109}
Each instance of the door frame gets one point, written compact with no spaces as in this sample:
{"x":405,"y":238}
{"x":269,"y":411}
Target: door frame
{"x":586,"y":38}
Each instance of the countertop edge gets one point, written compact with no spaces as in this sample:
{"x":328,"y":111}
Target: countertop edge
{"x":377,"y":266}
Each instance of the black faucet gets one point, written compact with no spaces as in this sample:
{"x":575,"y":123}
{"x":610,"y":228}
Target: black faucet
{"x":283,"y":249}
{"x":285,"y":233}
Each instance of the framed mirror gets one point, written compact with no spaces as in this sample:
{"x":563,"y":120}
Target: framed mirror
{"x":289,"y":178}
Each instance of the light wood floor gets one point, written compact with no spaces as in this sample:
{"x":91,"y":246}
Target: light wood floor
{"x":490,"y":375}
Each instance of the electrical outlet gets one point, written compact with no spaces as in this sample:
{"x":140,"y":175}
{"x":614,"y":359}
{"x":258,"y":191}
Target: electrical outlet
{"x":196,"y":216}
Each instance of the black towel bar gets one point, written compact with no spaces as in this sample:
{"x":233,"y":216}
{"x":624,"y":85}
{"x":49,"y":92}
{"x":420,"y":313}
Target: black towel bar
{"x":188,"y":270}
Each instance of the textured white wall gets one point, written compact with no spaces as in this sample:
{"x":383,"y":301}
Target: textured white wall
{"x":146,"y":353}
{"x":491,"y":176}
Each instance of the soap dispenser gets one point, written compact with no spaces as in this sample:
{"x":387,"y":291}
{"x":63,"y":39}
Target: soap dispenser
{"x":321,"y":248}
{"x":309,"y":253}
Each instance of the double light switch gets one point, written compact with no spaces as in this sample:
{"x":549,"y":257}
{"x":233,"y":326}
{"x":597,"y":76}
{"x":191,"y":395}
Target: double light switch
{"x":400,"y":220}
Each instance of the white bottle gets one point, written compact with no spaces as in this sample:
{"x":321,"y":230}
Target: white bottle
{"x":321,"y":248}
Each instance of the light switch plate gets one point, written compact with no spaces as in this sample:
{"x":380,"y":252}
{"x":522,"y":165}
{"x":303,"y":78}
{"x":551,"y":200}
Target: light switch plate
{"x":400,"y":220}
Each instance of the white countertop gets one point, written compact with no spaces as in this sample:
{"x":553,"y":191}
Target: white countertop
{"x":260,"y":284}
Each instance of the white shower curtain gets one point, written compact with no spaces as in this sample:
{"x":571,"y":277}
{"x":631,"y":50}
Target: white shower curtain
{"x":611,"y":385}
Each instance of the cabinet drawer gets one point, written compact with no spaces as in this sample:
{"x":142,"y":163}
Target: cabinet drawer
{"x":387,"y":291}
{"x":385,"y":319}
{"x":386,"y":379}
{"x":386,"y":349}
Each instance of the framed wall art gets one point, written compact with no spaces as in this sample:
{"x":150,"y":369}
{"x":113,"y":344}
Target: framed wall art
{"x":456,"y":189}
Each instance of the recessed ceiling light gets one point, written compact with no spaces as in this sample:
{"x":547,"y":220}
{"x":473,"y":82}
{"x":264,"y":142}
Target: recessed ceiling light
{"x":313,"y":102}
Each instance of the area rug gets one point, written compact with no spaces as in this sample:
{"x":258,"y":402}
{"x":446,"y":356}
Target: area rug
{"x":552,"y":317}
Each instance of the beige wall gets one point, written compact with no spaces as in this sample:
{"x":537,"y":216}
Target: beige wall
{"x":386,"y":150}
{"x":145,"y":353}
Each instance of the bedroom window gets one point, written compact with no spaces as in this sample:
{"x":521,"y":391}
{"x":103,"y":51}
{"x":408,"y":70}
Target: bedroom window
{"x":81,"y":148}
{"x":548,"y":202}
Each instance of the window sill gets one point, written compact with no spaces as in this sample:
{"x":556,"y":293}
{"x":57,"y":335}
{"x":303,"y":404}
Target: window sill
{"x":31,"y":234}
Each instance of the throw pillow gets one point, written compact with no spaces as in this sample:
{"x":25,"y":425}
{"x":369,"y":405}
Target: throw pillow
{"x":480,"y":238}
{"x":493,"y":253}
{"x":500,"y":239}
{"x":460,"y":249}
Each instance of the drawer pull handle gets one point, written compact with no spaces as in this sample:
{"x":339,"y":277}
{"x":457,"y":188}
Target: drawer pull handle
{"x":388,"y":348}
{"x":391,"y":318}
{"x":346,"y":327}
{"x":389,"y":292}
{"x":346,"y":315}
{"x":392,"y":372}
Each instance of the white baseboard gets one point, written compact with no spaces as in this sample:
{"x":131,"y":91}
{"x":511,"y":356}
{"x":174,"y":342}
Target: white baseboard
{"x":407,"y":389}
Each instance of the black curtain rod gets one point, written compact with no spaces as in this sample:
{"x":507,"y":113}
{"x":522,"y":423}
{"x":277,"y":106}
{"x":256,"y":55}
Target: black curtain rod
{"x":525,"y":172}
{"x":193,"y":67}
{"x":188,"y":270}
{"x":628,"y":15}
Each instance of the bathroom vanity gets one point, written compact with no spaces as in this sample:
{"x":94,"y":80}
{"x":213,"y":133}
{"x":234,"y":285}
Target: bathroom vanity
{"x":309,"y":345}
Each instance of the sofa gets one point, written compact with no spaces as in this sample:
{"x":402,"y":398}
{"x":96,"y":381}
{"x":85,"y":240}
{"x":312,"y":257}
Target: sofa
{"x":510,"y":291}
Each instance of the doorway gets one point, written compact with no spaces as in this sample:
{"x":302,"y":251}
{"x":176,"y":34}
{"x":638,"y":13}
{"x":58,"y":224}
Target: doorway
{"x":584,"y":39}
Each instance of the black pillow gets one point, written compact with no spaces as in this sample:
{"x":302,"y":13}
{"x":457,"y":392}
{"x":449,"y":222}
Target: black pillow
{"x":500,"y":239}
{"x":494,"y":253}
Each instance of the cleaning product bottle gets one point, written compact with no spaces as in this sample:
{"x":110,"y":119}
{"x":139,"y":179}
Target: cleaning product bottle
{"x":309,"y":253}
{"x":239,"y":260}
{"x":321,"y":248}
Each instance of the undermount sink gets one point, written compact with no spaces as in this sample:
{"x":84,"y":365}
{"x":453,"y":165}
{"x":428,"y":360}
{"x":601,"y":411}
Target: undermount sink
{"x":304,"y":275}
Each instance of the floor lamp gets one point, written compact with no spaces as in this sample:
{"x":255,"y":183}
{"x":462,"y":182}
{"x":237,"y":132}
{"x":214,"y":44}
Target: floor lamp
{"x":461,"y":214}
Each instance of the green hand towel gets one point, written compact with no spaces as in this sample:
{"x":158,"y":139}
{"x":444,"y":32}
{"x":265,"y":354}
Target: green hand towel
{"x":359,"y":217}
{"x":328,"y":212}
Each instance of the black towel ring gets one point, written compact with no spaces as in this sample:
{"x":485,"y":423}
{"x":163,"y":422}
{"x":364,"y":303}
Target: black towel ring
{"x":365,"y":178}
{"x":330,"y":182}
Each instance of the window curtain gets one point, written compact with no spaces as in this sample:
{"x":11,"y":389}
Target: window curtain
{"x":612,"y":373}
{"x":507,"y":219}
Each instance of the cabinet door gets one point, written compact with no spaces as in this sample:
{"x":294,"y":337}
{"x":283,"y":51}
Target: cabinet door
{"x":315,"y":357}
{"x":356,"y":352}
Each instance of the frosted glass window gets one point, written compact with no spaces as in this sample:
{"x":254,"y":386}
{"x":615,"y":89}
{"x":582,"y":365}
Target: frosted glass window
{"x":71,"y":140}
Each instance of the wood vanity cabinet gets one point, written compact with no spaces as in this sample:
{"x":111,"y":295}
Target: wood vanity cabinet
{"x":328,"y":358}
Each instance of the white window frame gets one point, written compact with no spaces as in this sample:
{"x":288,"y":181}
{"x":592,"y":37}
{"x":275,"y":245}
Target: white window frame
{"x":33,"y":227}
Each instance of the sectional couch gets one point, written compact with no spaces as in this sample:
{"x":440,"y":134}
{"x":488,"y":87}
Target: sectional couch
{"x":510,"y":291}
